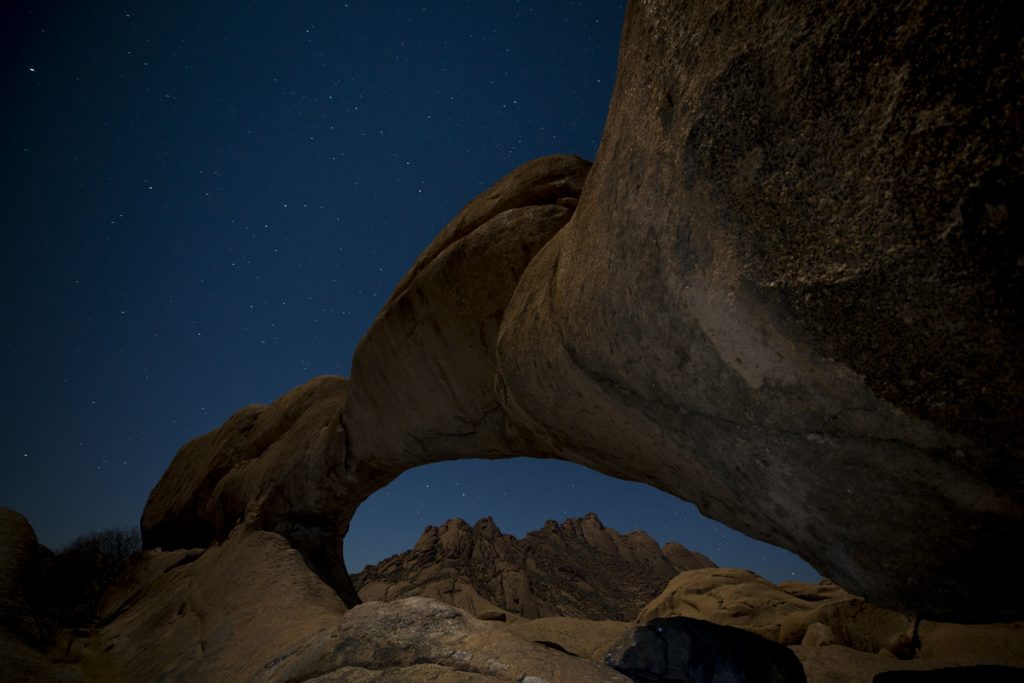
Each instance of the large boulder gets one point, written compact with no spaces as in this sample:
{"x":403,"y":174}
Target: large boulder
{"x":19,"y":550}
{"x":788,"y":613}
{"x":694,"y":651}
{"x":423,"y":376}
{"x":403,"y":636}
{"x":838,"y":664}
{"x":823,"y":615}
{"x":265,"y":464}
{"x":236,"y":611}
{"x":792,"y":289}
{"x":742,"y":599}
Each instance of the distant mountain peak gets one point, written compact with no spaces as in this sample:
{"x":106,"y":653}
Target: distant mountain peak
{"x":577,"y":567}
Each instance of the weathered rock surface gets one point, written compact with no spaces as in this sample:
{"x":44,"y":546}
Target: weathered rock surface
{"x":795,"y":613}
{"x":742,"y":599}
{"x":281,"y":468}
{"x":579,"y":568}
{"x":973,"y":644}
{"x":792,"y":289}
{"x":695,"y":651}
{"x":264,"y":465}
{"x":414,"y":631}
{"x":237,"y":611}
{"x":791,"y":292}
{"x":423,"y":376}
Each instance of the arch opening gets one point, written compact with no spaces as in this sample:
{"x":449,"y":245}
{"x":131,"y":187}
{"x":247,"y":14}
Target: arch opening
{"x":496,"y":488}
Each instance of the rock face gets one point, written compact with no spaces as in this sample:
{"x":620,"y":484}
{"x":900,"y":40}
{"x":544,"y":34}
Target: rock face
{"x":426,"y":368}
{"x":742,"y":599}
{"x":694,"y":651}
{"x":790,"y":291}
{"x":250,"y":610}
{"x":578,"y":568}
{"x":415,"y":638}
{"x":959,"y":674}
{"x":246,"y":470}
{"x":784,"y":613}
{"x":825,"y":616}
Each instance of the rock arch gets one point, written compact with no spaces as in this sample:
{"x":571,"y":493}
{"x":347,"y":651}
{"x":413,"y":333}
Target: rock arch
{"x":789,"y":291}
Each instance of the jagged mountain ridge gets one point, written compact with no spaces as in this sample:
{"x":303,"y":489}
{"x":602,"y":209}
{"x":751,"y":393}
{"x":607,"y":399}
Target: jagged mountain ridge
{"x":578,"y":568}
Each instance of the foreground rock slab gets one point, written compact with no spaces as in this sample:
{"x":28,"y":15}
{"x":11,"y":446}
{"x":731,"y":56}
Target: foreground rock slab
{"x":251,"y":610}
{"x":403,"y":635}
{"x":792,"y":289}
{"x":829,"y":628}
{"x":581,"y":637}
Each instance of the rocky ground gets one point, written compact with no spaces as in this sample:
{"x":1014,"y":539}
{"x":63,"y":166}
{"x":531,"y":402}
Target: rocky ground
{"x":251,"y":610}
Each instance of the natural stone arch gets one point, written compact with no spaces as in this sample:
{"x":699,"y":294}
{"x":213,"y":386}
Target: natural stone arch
{"x":725,"y":316}
{"x":301,"y":466}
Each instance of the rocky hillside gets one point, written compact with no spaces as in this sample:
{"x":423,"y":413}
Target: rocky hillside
{"x":578,"y":568}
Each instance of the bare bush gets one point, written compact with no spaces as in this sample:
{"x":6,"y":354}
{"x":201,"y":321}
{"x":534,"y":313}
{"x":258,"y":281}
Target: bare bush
{"x":68,"y":585}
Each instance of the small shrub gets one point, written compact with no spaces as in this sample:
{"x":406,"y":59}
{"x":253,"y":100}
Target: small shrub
{"x":68,"y":585}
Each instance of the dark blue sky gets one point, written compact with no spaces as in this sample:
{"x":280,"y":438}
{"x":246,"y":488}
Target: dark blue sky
{"x":204,"y":204}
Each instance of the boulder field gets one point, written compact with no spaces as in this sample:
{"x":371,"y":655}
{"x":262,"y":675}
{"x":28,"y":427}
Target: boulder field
{"x":788,"y":290}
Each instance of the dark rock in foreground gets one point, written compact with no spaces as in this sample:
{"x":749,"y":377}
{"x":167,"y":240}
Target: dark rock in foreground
{"x":694,"y":651}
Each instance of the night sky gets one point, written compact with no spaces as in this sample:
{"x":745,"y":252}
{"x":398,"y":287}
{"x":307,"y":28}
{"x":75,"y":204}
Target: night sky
{"x":204,"y":204}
